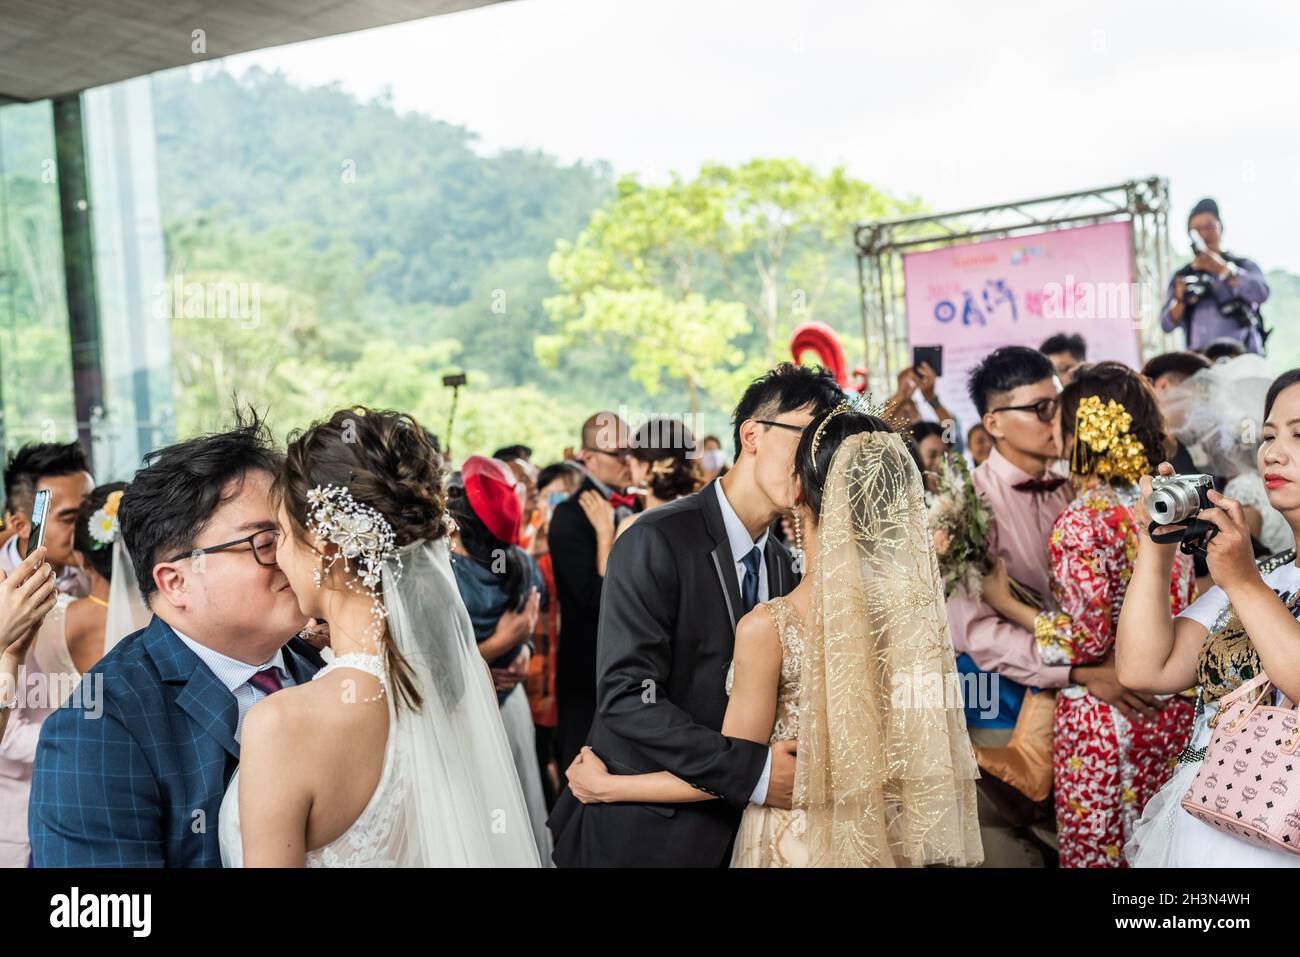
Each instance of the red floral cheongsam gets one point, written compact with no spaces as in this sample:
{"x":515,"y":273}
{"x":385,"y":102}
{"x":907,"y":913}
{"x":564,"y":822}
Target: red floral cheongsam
{"x":1105,"y":767}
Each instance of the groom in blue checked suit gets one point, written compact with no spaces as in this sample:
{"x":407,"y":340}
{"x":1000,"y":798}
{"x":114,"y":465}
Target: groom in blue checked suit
{"x":133,"y":773}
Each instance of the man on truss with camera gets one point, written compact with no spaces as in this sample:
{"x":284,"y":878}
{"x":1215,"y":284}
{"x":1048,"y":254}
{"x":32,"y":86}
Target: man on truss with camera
{"x":1217,"y":294}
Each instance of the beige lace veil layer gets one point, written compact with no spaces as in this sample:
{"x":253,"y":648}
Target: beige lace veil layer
{"x":885,"y":772}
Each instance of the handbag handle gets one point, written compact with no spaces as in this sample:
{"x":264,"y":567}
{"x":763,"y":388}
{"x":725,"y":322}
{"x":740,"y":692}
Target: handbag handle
{"x":1232,"y":696}
{"x":1260,"y":680}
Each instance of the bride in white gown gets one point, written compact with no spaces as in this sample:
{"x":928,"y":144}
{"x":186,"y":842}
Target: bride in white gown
{"x":394,"y":755}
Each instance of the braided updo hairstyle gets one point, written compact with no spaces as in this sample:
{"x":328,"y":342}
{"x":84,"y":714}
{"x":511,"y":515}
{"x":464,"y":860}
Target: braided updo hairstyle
{"x":667,"y":446}
{"x":385,"y":460}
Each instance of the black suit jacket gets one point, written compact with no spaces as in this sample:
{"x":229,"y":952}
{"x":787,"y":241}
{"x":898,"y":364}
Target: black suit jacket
{"x":572,"y":543}
{"x":667,"y":630}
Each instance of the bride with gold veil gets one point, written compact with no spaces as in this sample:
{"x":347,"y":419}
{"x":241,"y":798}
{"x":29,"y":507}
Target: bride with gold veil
{"x":847,"y":664}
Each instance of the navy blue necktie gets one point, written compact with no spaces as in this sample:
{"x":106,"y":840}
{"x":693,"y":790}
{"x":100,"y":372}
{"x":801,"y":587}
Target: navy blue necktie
{"x":749,"y":584}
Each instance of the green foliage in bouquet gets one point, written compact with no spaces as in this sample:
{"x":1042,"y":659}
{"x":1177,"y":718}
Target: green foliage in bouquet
{"x":959,"y":521}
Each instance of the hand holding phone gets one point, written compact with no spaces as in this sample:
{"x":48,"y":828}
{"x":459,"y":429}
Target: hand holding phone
{"x":929,"y":355}
{"x":40,"y":521}
{"x":27,"y":594}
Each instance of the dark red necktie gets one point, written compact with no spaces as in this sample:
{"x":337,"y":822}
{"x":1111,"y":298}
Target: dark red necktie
{"x":616,"y":499}
{"x":267,"y":681}
{"x":1039,"y":485}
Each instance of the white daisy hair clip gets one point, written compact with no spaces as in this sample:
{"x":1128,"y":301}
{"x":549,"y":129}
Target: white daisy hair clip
{"x":365,"y":539}
{"x":103,"y":525}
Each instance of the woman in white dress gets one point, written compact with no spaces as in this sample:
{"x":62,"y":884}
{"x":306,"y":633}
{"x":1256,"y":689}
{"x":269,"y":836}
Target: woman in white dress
{"x":80,"y":631}
{"x":394,"y":755}
{"x":1245,"y":624}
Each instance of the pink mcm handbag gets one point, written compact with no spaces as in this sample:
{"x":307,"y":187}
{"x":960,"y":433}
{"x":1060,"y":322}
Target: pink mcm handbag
{"x":1247,"y":785}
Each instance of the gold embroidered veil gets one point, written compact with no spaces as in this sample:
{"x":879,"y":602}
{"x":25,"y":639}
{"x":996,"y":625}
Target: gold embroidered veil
{"x":885,"y":771}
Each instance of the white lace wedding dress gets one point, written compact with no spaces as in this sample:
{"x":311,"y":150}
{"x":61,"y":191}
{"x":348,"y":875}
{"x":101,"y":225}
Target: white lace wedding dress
{"x":371,"y":838}
{"x":449,"y":794}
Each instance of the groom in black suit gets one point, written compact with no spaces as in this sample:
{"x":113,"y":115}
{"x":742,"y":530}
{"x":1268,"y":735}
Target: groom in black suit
{"x":677,"y":582}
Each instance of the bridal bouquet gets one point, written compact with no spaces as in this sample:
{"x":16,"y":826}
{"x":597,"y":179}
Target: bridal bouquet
{"x":960,"y":522}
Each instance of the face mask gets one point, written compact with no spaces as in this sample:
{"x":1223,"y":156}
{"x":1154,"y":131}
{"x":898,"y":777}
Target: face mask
{"x":714,"y":460}
{"x":555,"y":498}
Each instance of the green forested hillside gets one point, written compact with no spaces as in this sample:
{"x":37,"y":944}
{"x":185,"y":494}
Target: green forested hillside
{"x":388,"y":252}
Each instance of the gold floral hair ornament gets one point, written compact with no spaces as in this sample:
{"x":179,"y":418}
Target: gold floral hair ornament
{"x":663,"y":466}
{"x":103,"y":525}
{"x":1103,"y":445}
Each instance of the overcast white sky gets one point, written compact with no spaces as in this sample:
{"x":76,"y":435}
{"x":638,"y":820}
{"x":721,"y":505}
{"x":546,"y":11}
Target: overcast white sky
{"x":947,"y":101}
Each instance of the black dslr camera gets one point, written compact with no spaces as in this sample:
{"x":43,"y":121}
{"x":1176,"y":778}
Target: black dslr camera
{"x":1176,"y":500}
{"x":1196,"y":286}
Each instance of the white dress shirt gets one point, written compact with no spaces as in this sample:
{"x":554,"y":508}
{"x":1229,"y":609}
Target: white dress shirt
{"x":742,"y":545}
{"x":234,"y":675}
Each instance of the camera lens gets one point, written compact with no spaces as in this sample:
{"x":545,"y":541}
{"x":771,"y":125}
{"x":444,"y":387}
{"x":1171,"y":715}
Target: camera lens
{"x":1174,"y":503}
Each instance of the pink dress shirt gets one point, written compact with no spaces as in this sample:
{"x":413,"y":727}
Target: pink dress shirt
{"x":1021,"y":523}
{"x":41,"y":681}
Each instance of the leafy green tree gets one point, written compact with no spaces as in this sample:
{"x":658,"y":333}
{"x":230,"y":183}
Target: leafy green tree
{"x":703,"y":280}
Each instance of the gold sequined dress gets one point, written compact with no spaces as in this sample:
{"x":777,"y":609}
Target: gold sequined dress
{"x":769,"y":836}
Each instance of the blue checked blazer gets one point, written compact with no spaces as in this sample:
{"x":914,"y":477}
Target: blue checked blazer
{"x":140,"y":784}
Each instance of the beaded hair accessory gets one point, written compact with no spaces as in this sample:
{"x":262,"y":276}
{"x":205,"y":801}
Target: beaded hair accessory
{"x":365,"y":540}
{"x":863,"y":405}
{"x":1103,"y":445}
{"x":103,"y":525}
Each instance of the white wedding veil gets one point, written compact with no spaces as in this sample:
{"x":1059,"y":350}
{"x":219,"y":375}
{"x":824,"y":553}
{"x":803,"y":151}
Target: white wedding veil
{"x":127,"y":612}
{"x":461,"y":803}
{"x":1218,"y":414}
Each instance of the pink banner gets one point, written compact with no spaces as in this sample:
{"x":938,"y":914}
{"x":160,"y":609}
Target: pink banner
{"x":973,"y":298}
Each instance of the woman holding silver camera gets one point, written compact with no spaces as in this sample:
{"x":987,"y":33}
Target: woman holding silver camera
{"x":1243,"y":626}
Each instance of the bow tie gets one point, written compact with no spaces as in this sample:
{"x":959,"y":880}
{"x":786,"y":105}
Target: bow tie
{"x":1039,"y":485}
{"x":616,"y":499}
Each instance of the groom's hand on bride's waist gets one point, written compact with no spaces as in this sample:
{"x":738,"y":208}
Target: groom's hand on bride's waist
{"x":780,"y":785}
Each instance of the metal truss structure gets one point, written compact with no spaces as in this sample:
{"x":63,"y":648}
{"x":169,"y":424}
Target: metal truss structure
{"x":1143,"y":204}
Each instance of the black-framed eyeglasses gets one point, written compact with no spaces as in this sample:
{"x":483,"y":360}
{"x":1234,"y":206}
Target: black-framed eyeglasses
{"x":781,"y":425}
{"x":621,"y":454}
{"x":261,"y":544}
{"x":1045,"y":409}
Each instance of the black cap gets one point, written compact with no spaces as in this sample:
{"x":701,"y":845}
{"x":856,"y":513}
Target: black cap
{"x":1206,"y":205}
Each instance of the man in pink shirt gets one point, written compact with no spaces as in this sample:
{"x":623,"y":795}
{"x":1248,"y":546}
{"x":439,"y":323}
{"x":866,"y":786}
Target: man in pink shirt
{"x":64,"y":472}
{"x":1015,"y":391}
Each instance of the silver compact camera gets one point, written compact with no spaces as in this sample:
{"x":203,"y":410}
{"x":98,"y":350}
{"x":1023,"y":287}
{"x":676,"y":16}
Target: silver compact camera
{"x":1177,"y":499}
